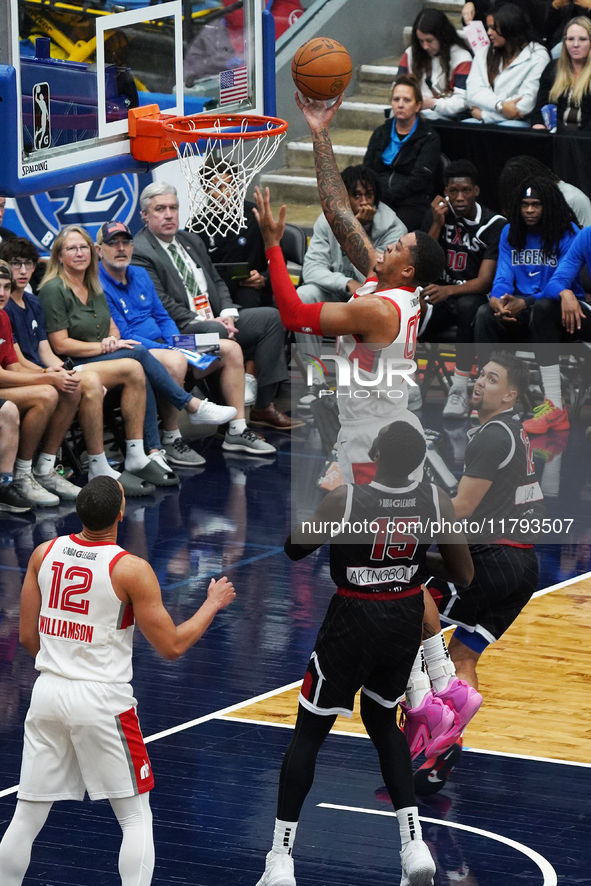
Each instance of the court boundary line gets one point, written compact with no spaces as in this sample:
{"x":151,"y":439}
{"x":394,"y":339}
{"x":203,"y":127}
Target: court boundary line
{"x":561,"y":584}
{"x":548,"y":873}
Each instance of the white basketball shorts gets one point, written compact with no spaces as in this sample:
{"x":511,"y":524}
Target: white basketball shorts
{"x":82,"y":735}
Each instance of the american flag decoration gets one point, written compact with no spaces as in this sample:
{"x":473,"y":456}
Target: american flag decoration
{"x":233,"y":85}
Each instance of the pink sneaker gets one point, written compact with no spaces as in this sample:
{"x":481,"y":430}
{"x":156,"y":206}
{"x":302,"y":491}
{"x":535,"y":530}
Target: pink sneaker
{"x":464,"y":701}
{"x":426,"y":725}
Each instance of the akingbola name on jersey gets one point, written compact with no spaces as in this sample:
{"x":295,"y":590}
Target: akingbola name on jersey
{"x":81,"y":555}
{"x":365,"y":575}
{"x":71,"y":630}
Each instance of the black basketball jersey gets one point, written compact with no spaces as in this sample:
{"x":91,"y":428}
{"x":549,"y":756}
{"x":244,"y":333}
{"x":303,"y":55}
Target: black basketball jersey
{"x":467,"y":243}
{"x":386,"y":560}
{"x":499,"y":450}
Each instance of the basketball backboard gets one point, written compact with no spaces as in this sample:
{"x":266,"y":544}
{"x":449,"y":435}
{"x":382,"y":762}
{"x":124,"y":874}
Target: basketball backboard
{"x":70,"y":70}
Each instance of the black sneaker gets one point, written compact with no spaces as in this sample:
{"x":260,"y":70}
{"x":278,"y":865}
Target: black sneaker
{"x":432,"y":775}
{"x":13,"y":500}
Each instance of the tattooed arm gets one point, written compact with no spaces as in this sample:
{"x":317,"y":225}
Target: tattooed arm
{"x":333,"y":194}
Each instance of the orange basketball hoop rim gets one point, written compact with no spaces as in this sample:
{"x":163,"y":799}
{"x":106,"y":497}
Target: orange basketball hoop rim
{"x":154,"y":137}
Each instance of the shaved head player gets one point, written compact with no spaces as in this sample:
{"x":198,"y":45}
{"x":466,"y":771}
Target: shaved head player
{"x":81,"y":596}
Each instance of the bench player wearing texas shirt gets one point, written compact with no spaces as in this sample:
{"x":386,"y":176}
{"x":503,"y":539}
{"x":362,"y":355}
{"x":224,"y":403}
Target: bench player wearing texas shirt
{"x":81,"y":596}
{"x":498,"y":491}
{"x":379,"y":324}
{"x":370,"y":635}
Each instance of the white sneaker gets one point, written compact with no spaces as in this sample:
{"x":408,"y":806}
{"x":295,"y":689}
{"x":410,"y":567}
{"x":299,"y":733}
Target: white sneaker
{"x":278,"y":870}
{"x":457,"y":403}
{"x":247,"y":441}
{"x":54,"y":482}
{"x":418,"y":867}
{"x":250,"y":389}
{"x":212,"y":414}
{"x":35,"y":492}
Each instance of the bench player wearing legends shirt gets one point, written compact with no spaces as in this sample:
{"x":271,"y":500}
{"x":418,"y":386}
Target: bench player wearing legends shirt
{"x":80,"y":598}
{"x":370,"y":635}
{"x":469,"y":234}
{"x":498,"y":487}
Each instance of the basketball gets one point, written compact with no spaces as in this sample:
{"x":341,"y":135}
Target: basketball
{"x":321,"y":68}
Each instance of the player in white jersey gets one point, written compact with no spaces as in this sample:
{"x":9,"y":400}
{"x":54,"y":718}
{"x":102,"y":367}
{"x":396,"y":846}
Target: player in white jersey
{"x":377,"y":328}
{"x":81,"y":597}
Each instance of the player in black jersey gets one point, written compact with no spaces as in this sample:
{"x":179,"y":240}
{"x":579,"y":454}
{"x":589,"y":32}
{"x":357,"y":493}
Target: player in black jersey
{"x":371,"y":633}
{"x":501,"y":499}
{"x":469,"y":235}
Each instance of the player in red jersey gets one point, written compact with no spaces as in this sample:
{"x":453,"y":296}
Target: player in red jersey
{"x":81,"y":596}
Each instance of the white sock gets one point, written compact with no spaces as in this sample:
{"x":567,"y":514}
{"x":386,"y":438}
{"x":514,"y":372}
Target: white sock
{"x":5,"y":479}
{"x":170,"y":436}
{"x":418,"y":682}
{"x":45,"y":464}
{"x":550,"y":479}
{"x":284,"y":836}
{"x":439,"y":665}
{"x":135,"y":457}
{"x":98,"y":466}
{"x":22,"y":467}
{"x":237,"y":426}
{"x":410,"y":826}
{"x":461,"y":379}
{"x":551,"y":383}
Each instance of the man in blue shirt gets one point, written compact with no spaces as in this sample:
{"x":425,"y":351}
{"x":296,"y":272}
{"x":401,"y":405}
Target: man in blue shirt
{"x":140,"y":315}
{"x":539,"y":234}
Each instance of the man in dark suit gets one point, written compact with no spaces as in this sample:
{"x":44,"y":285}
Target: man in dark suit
{"x":198,"y":300}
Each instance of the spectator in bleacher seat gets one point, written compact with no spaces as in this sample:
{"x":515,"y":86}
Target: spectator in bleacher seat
{"x":559,"y":14}
{"x":518,"y":169}
{"x":540,"y":233}
{"x":47,"y":402}
{"x":405,"y":153}
{"x":441,"y":62}
{"x":80,"y":326}
{"x":469,"y":235}
{"x":245,"y":247}
{"x":566,"y":81}
{"x":34,"y":354}
{"x":140,"y":316}
{"x":504,"y":80}
{"x":561,"y":316}
{"x":198,"y":301}
{"x":535,"y":10}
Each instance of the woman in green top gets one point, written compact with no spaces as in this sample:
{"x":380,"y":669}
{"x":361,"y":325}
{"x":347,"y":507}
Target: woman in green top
{"x":79,"y":325}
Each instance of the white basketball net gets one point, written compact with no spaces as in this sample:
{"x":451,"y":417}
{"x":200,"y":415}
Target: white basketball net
{"x":218,"y":174}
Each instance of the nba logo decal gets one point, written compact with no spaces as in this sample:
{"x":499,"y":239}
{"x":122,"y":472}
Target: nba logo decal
{"x":42,"y":127}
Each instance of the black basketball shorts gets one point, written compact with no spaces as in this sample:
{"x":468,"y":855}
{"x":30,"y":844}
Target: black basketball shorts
{"x":367,"y":644}
{"x":505,"y":577}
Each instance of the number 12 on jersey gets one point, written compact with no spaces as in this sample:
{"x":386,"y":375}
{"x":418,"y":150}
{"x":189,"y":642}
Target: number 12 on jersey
{"x":68,"y":603}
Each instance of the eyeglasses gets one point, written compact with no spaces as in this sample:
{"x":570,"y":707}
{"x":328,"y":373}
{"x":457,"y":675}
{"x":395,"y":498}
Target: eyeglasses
{"x":17,"y":265}
{"x":73,"y":249}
